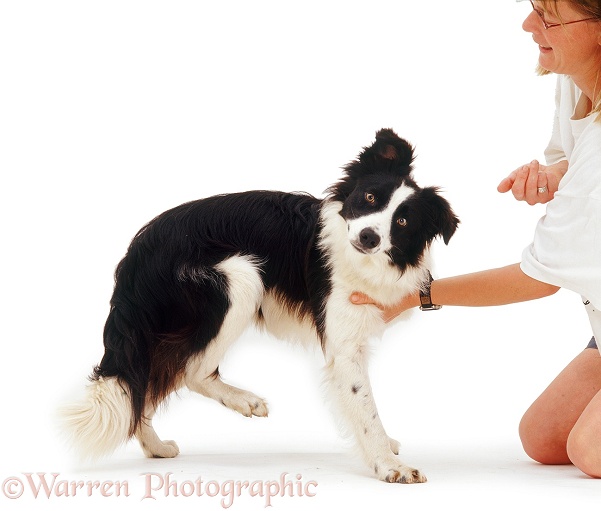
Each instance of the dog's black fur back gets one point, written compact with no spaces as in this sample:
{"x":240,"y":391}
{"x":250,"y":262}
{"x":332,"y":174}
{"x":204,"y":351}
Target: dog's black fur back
{"x":169,"y":299}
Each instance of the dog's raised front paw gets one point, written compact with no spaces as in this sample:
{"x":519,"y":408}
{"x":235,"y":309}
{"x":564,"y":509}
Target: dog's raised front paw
{"x":244,"y":402}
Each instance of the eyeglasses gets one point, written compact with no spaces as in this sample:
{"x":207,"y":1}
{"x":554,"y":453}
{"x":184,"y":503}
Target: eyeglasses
{"x":551,"y":25}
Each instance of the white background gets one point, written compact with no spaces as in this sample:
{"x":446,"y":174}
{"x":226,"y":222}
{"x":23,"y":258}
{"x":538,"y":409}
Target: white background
{"x":113,"y":111}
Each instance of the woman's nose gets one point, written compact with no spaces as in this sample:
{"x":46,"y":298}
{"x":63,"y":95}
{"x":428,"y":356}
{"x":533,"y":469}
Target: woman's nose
{"x":532,"y":23}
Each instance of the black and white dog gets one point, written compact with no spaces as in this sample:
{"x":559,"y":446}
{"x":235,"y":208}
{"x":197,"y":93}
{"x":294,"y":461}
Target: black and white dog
{"x":198,"y":275}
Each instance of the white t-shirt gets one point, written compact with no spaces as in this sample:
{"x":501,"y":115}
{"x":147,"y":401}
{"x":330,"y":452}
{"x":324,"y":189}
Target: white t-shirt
{"x":566,"y":251}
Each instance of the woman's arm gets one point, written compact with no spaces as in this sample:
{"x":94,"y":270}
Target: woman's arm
{"x":499,"y":286}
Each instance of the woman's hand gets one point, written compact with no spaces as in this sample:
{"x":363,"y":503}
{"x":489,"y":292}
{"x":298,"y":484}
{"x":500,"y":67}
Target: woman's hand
{"x":526,"y":182}
{"x":388,"y":313}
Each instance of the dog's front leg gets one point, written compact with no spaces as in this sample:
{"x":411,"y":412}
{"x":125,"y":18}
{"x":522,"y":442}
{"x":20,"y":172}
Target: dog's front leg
{"x":351,"y":390}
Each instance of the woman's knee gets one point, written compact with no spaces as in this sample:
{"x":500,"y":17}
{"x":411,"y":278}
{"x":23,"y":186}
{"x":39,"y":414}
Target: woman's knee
{"x":542,"y":442}
{"x":584,"y":450}
{"x":547,"y":424}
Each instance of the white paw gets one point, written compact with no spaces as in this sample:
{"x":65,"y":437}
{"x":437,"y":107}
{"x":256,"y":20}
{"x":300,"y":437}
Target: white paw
{"x":245,"y":402}
{"x":399,"y":473}
{"x":166,"y":449}
{"x":395,"y":446}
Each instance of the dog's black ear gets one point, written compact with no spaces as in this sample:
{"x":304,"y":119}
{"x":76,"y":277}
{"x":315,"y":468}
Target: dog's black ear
{"x":388,"y":154}
{"x":391,"y":151}
{"x":442,"y":220}
{"x":392,"y":147}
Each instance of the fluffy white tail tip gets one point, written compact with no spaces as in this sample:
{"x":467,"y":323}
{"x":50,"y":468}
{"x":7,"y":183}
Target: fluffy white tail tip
{"x":100,"y":423}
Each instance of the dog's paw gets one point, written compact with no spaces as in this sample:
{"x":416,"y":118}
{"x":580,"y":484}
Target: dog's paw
{"x":395,"y":446}
{"x":400,"y":474}
{"x":166,"y":449}
{"x":246,"y":403}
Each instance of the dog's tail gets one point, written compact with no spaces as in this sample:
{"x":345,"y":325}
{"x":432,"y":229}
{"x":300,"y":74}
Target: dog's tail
{"x":101,"y":421}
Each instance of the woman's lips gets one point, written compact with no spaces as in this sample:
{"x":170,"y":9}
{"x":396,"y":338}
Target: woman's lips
{"x":543,"y":48}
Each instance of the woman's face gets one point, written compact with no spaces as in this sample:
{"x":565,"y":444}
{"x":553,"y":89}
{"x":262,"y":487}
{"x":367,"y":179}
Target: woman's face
{"x":573,"y":49}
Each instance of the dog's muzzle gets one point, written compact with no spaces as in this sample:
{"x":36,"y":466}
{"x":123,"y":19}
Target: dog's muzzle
{"x":367,"y":242}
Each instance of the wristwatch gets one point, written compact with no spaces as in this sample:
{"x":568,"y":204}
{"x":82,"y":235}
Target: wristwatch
{"x":425,"y":298}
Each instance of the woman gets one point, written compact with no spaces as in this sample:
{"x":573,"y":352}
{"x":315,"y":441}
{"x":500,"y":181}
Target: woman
{"x":564,"y":424}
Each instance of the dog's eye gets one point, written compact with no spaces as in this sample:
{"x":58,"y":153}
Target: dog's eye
{"x":370,"y":197}
{"x":402,"y":222}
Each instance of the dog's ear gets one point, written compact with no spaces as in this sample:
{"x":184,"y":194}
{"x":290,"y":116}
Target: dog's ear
{"x":440,"y":216}
{"x":389,"y":154}
{"x":392,"y":147}
{"x":391,"y":151}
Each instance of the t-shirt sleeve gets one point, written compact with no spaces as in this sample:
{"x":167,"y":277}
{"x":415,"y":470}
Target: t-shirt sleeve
{"x":566,"y":250}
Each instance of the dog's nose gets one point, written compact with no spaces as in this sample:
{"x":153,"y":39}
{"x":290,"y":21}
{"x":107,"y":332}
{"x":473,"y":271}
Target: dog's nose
{"x":369,"y":238}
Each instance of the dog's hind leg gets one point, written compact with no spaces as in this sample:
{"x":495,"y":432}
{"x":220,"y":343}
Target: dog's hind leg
{"x":245,"y":293}
{"x":151,"y":444}
{"x":241,"y":401}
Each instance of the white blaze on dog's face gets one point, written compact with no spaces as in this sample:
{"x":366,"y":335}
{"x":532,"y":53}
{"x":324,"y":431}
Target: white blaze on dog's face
{"x":371,"y":212}
{"x":387,"y":214}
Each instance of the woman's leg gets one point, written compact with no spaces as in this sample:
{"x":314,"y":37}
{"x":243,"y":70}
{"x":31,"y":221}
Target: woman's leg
{"x":546,"y":425}
{"x":584,"y":442}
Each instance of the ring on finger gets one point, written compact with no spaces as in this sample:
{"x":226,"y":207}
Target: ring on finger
{"x":542,"y":189}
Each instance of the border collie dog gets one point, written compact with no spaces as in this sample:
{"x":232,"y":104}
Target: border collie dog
{"x":198,"y":275}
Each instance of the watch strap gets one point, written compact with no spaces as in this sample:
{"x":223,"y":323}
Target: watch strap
{"x":425,"y":298}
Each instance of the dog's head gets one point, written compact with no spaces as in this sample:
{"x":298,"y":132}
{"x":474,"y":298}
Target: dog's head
{"x":384,"y":209}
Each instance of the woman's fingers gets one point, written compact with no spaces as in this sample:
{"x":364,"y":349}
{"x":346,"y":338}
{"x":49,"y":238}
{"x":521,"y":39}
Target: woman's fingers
{"x":530,"y":183}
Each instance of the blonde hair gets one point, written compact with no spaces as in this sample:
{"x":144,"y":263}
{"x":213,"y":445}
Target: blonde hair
{"x":589,"y":9}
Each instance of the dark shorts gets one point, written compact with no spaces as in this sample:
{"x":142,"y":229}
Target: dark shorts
{"x":592,"y":343}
